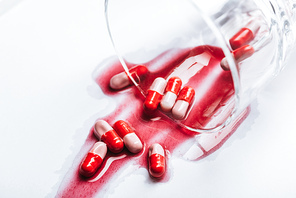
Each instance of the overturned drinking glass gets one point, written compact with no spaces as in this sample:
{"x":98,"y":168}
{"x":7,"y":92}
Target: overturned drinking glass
{"x":225,"y":50}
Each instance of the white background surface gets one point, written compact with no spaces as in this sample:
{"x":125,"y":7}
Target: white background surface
{"x":48,"y":52}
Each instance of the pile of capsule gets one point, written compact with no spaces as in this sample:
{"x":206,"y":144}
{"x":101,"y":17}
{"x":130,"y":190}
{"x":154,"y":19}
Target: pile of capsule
{"x":113,"y":140}
{"x":166,"y":94}
{"x":170,"y":97}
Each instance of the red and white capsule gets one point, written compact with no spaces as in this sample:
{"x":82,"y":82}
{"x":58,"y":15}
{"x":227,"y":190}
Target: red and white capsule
{"x":130,"y":138}
{"x":239,"y":55}
{"x":244,"y":35}
{"x":104,"y":132}
{"x":184,"y":100}
{"x":122,"y":80}
{"x":156,"y":160}
{"x":155,"y":94}
{"x":93,"y":159}
{"x":171,"y":92}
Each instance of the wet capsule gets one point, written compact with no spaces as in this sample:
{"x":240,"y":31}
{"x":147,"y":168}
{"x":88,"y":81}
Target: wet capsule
{"x":93,"y":159}
{"x":130,"y":138}
{"x":104,"y":132}
{"x":184,"y":99}
{"x":122,"y":80}
{"x":171,"y":92}
{"x":239,"y":55}
{"x":156,"y":160}
{"x":155,"y":94}
{"x":244,"y":35}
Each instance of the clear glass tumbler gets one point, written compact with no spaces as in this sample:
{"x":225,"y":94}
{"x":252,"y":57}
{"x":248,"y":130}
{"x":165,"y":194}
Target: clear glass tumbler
{"x":226,"y":50}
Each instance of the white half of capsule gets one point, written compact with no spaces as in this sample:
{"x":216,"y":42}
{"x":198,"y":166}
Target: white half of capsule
{"x":158,"y":85}
{"x":168,"y":100}
{"x":99,"y":148}
{"x":119,"y":81}
{"x":101,"y":127}
{"x":132,"y":143}
{"x":156,"y":149}
{"x":224,"y":64}
{"x":180,"y":109}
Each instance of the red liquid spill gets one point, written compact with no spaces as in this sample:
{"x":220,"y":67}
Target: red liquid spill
{"x":163,"y":129}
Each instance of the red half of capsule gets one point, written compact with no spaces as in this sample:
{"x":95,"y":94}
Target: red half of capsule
{"x":187,"y":94}
{"x":90,"y":164}
{"x":137,"y":73}
{"x":122,"y":128}
{"x":174,"y":85}
{"x":113,"y":141}
{"x":156,"y":165}
{"x":242,"y":37}
{"x":152,"y":100}
{"x":243,"y":52}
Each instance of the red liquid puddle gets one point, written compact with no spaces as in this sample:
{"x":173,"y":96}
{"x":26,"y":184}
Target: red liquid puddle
{"x":158,"y":127}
